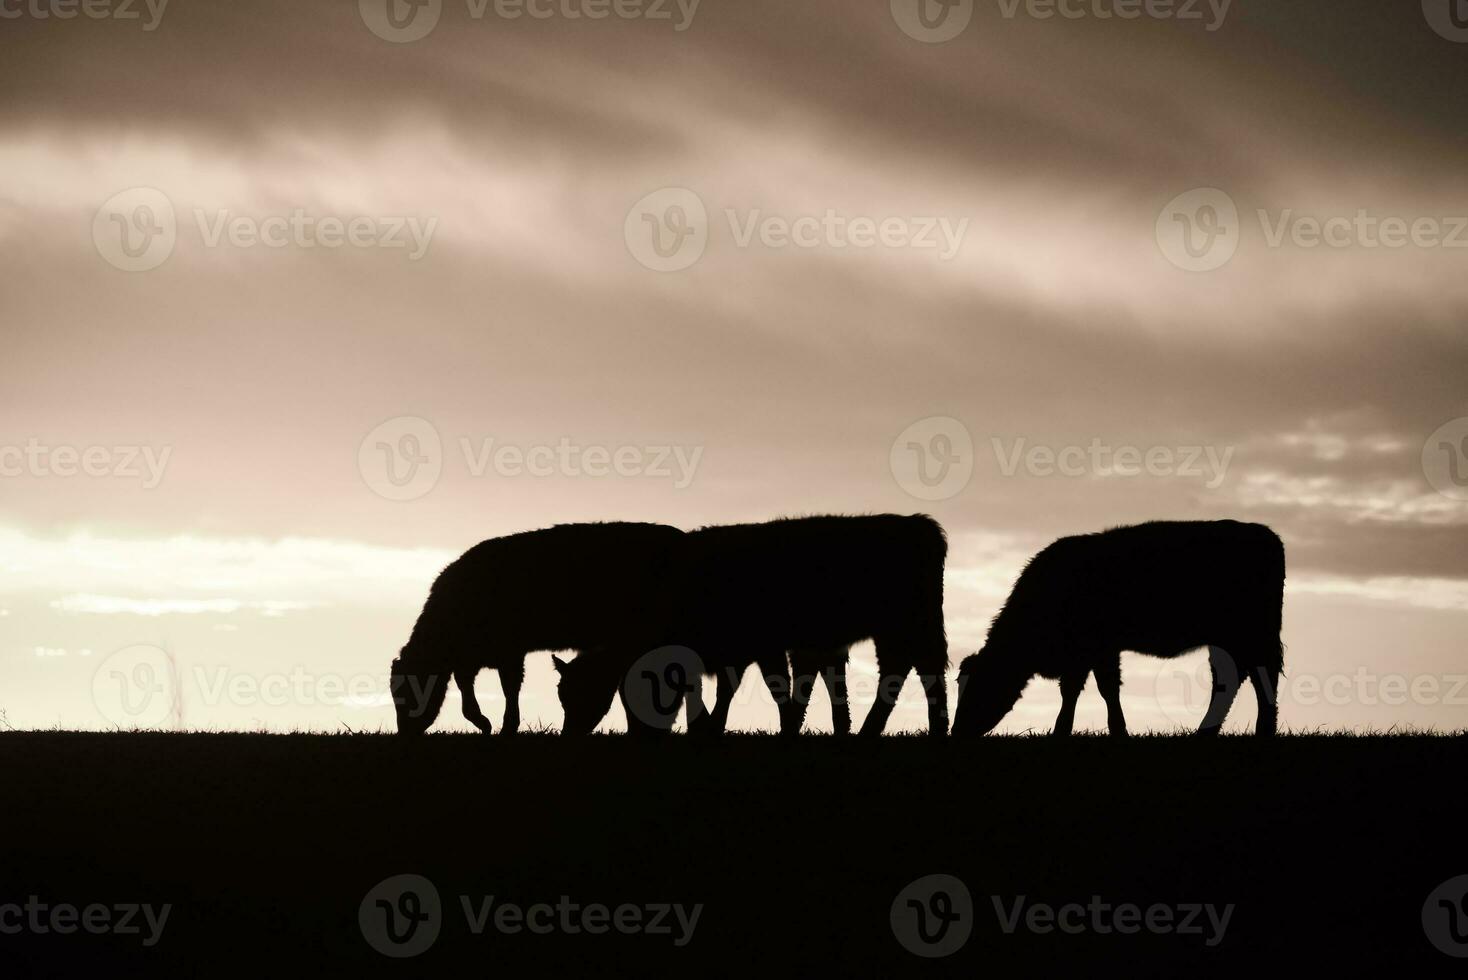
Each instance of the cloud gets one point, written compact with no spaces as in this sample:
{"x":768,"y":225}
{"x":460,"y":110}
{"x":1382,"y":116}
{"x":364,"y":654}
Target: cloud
{"x":191,"y":575}
{"x":107,"y":605}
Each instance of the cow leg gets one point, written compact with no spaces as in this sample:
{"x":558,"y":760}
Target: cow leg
{"x":804,"y":665}
{"x":889,"y":686}
{"x":935,"y":689}
{"x":777,"y":678}
{"x":834,"y":676}
{"x":1071,"y":686}
{"x":930,"y":660}
{"x":465,"y":679}
{"x":512,"y":675}
{"x":726,"y":684}
{"x":1225,"y":687}
{"x":1266,"y":690}
{"x":1108,"y":682}
{"x":700,"y":722}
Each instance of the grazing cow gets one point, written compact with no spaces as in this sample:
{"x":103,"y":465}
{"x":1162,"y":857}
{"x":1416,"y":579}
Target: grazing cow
{"x":1162,"y":588}
{"x":569,"y":587}
{"x":814,"y":586}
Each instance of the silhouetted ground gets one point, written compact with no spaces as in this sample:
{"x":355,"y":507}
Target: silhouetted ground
{"x":266,"y":846}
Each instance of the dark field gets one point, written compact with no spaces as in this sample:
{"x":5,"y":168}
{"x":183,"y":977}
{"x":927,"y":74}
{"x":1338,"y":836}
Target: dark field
{"x":265,"y":846}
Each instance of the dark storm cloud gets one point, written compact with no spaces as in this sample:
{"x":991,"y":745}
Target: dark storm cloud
{"x":1084,"y":129}
{"x":1104,"y":97}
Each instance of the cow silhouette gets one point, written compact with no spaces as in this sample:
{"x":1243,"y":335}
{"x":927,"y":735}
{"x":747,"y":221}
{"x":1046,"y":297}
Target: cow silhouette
{"x":748,"y":593}
{"x":569,"y":587}
{"x":1162,"y":588}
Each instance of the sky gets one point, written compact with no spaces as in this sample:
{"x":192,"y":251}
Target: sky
{"x":302,"y":300}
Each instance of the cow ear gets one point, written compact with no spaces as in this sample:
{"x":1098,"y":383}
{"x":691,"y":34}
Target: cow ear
{"x":560,"y":664}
